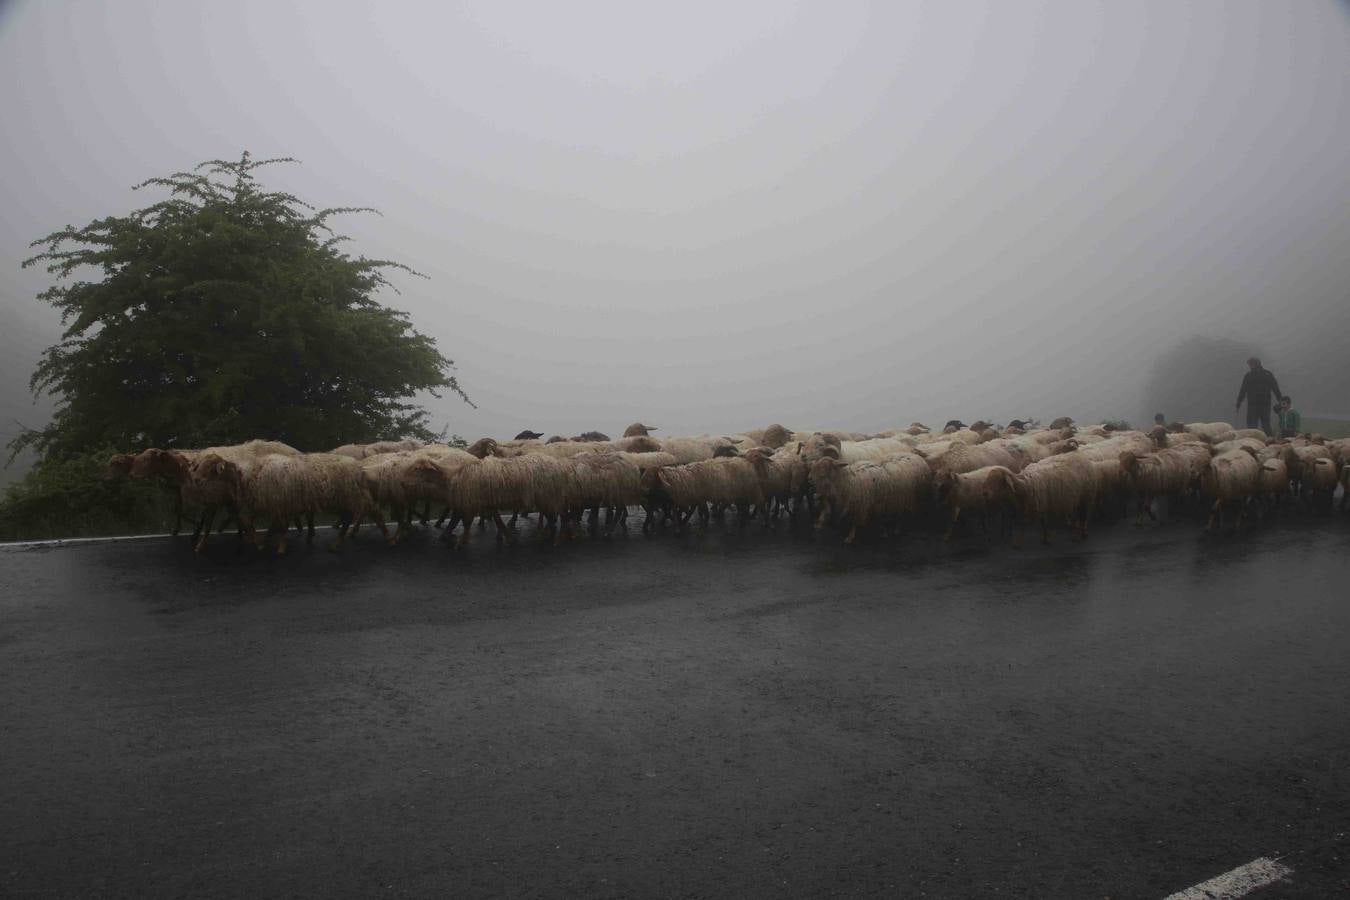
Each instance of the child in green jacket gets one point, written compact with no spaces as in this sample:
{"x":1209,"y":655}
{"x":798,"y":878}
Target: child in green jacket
{"x":1291,"y":421}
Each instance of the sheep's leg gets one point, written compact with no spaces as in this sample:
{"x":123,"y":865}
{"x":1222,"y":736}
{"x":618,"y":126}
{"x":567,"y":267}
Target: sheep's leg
{"x":178,"y":514}
{"x":309,"y":521}
{"x":281,"y":540}
{"x":208,"y":518}
{"x":824,"y":512}
{"x":515,"y":514}
{"x":1045,"y":531}
{"x":445,"y":513}
{"x":449,"y":533}
{"x":503,"y":532}
{"x":426,"y":512}
{"x":197,"y":528}
{"x":951,"y":529}
{"x":1216,"y":511}
{"x":852,"y":533}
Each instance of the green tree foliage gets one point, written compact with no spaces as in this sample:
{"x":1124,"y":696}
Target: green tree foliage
{"x":222,"y":313}
{"x":1197,"y":379}
{"x":69,"y":496}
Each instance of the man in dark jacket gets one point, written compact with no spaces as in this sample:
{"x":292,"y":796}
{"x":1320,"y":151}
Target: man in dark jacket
{"x":1257,"y":386}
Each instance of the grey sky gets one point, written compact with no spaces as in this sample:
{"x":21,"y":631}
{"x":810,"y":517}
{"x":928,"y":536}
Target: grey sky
{"x":712,"y":216}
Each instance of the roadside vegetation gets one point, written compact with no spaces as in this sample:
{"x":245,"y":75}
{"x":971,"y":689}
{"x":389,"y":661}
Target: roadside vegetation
{"x":220,"y":313}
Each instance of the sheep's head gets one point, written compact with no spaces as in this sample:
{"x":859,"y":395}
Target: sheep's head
{"x":1129,"y":461}
{"x":825,"y":470}
{"x":999,"y":486}
{"x":758,"y":456}
{"x":591,"y":436}
{"x":213,"y":467}
{"x":159,"y":463}
{"x":637,"y":429}
{"x":119,"y":465}
{"x":483,"y":447}
{"x":1062,"y":422}
{"x":722,"y":450}
{"x":1159,"y":435}
{"x":776,"y":436}
{"x":528,"y":435}
{"x":556,"y":439}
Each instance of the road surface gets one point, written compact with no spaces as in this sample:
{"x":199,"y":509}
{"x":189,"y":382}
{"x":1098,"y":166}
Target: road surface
{"x":750,"y":715}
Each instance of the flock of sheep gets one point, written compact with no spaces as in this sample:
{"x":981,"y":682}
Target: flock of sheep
{"x":1021,"y":473}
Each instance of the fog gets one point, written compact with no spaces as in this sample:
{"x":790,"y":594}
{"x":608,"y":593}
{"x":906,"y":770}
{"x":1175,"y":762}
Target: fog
{"x":713,"y":216}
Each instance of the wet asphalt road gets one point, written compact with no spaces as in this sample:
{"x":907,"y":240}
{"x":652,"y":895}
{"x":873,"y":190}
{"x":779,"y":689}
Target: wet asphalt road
{"x":725,"y":715}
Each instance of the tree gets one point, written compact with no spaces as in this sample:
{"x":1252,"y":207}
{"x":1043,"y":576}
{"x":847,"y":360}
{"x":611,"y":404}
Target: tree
{"x":1197,"y":380}
{"x":222,"y":313}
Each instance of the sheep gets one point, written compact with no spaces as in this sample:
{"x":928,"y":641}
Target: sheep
{"x":687,"y":488}
{"x":608,"y":479}
{"x":119,"y":465}
{"x":688,"y":450}
{"x":1214,"y":432}
{"x":175,"y":468}
{"x":283,"y":488}
{"x":1110,"y":484}
{"x":365,"y":451}
{"x":1062,"y":422}
{"x":1238,"y":444}
{"x":863,"y":490}
{"x":1272,"y":480}
{"x":1320,"y":478}
{"x":982,"y":490}
{"x":874,"y":450}
{"x":960,"y":457}
{"x":1027,"y":447}
{"x":1163,"y":473}
{"x":781,"y":475}
{"x":387,"y":478}
{"x":775,"y":437}
{"x":206,"y":486}
{"x":1339,"y":450}
{"x":478,"y":488}
{"x":1060,"y":487}
{"x":1230,"y":478}
{"x":1300,"y":459}
{"x":963,"y":435}
{"x":1255,"y":434}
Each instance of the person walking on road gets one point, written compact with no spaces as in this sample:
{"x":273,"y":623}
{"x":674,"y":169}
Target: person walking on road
{"x":1291,"y":421}
{"x":1257,"y":386}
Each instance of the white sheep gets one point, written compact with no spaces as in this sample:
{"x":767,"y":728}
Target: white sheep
{"x":1230,"y":479}
{"x":982,"y":491}
{"x":861,"y":491}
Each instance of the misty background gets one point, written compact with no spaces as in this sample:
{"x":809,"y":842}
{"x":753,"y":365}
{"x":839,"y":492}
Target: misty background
{"x":711,"y":216}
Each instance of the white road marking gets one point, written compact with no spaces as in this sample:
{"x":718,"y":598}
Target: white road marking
{"x":1238,"y":883}
{"x":56,"y":542}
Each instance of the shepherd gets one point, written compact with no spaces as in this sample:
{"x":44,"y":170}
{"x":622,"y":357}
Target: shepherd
{"x":1257,"y":386}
